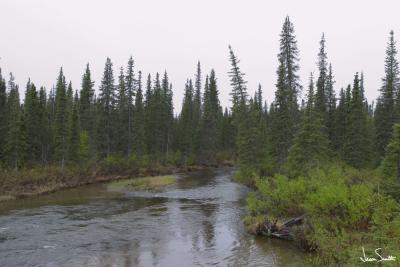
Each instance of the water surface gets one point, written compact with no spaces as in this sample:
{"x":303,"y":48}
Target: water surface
{"x":197,"y":222}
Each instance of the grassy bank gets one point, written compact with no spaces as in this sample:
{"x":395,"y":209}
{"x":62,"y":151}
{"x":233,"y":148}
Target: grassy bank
{"x":40,"y":180}
{"x":345,"y":210}
{"x":150,"y":183}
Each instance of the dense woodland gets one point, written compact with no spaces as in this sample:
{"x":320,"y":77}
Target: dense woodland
{"x":133,"y":116}
{"x":334,"y":148}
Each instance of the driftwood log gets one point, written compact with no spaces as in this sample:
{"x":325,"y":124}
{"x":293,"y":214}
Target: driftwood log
{"x":281,"y":231}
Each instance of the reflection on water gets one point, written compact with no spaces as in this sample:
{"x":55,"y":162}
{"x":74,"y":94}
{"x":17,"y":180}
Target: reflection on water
{"x":198,"y":222}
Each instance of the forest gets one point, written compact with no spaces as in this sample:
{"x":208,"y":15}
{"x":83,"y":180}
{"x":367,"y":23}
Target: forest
{"x":333,"y":156}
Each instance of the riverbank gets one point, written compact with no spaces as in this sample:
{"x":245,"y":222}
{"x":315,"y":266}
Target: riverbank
{"x":149,"y":183}
{"x":332,"y":212}
{"x":43,"y":180}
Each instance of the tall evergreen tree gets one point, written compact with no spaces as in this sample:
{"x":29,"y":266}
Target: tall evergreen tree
{"x":209,"y":130}
{"x":385,"y":109}
{"x":15,"y":148}
{"x":60,"y":120}
{"x":74,"y":132}
{"x":166,"y":113}
{"x":310,"y":146}
{"x":32,"y":123}
{"x":44,"y":127}
{"x":249,"y":139}
{"x":197,"y":105}
{"x":147,"y":111}
{"x":130,"y":94}
{"x":286,"y":113}
{"x":186,"y":123}
{"x":107,"y":103}
{"x":331,"y":106}
{"x":123,"y":142}
{"x":86,"y":101}
{"x":239,"y":91}
{"x":321,"y":101}
{"x":139,"y":120}
{"x":356,"y":145}
{"x":70,"y":98}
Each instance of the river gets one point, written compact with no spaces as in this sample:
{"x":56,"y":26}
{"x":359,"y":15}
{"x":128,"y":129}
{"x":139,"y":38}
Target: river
{"x":196,"y":222}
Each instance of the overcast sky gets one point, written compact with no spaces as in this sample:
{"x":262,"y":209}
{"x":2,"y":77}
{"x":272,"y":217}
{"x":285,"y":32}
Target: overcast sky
{"x":39,"y":36}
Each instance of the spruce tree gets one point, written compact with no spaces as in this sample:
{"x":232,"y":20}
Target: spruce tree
{"x":331,"y":107}
{"x":130,"y":83}
{"x":284,"y":121}
{"x":60,"y":120}
{"x":239,"y":91}
{"x":209,"y":128}
{"x":356,"y":147}
{"x":197,"y":107}
{"x":147,"y":111}
{"x":166,"y":113}
{"x":385,"y":109}
{"x":139,"y":120}
{"x":15,"y":148}
{"x":123,"y":142}
{"x":70,"y":98}
{"x":74,"y":132}
{"x":86,"y":101}
{"x":249,"y":139}
{"x":186,"y":123}
{"x":107,"y":103}
{"x":310,"y":146}
{"x":321,"y":101}
{"x":44,"y":127}
{"x":32,"y":123}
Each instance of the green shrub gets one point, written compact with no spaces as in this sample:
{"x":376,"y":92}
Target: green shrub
{"x":344,"y":209}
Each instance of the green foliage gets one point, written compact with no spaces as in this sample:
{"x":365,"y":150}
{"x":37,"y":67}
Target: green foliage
{"x":60,"y":120}
{"x":139,"y":120}
{"x":385,"y":108}
{"x":344,"y":211}
{"x":390,"y":166}
{"x":285,"y":118}
{"x":209,"y":129}
{"x":74,"y":133}
{"x":246,"y":176}
{"x":106,"y":120}
{"x":357,"y":148}
{"x":311,"y":144}
{"x":84,"y":152}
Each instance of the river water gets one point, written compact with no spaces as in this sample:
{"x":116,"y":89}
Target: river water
{"x":196,"y":222}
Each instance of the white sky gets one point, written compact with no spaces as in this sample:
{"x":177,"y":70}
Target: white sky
{"x":39,"y":36}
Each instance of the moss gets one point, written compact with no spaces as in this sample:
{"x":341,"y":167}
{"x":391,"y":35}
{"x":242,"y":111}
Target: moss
{"x":143,"y":183}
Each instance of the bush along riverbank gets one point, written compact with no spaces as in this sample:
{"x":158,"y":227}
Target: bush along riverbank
{"x":337,"y":211}
{"x":40,"y":180}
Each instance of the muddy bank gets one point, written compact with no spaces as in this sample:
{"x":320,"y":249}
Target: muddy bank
{"x":26,"y":183}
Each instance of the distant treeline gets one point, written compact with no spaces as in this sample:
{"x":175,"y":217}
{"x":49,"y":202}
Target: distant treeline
{"x":133,"y":116}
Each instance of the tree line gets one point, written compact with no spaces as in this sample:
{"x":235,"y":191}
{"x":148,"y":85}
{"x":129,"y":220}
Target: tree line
{"x":293,"y":135}
{"x":132,"y":116}
{"x":128,"y":118}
